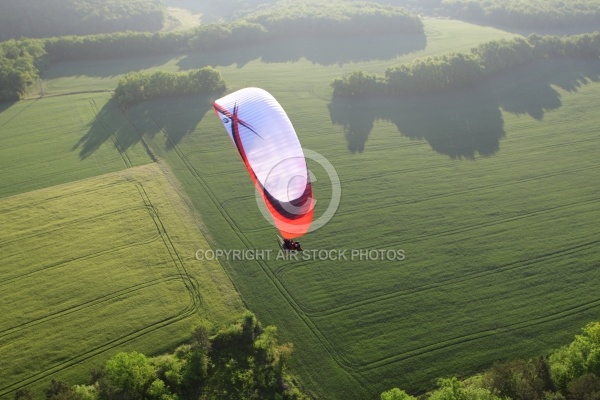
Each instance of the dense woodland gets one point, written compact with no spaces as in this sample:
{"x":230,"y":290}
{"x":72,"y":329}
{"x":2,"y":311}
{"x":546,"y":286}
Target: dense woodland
{"x":455,"y":70}
{"x":571,"y":372}
{"x":136,"y":87}
{"x":20,"y":62}
{"x":46,"y":18}
{"x":240,"y":361}
{"x":335,"y":18}
{"x":524,"y":14}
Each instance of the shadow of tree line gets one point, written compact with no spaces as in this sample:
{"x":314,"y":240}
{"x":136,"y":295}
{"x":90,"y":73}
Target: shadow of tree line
{"x":326,"y":51}
{"x":468,"y":122}
{"x":174,"y":117}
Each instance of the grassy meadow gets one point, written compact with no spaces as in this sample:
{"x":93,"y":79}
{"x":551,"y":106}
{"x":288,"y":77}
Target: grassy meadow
{"x":491,"y":193}
{"x":98,"y":266}
{"x":48,"y":141}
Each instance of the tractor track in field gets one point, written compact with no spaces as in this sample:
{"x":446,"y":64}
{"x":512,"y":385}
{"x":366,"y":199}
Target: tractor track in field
{"x":471,"y":190}
{"x":19,"y":112}
{"x":460,"y":340}
{"x":465,"y":277}
{"x":68,"y":224}
{"x":59,"y":196}
{"x":226,"y":203}
{"x":188,"y":280}
{"x":82,"y":306}
{"x":39,"y":177}
{"x":286,"y":268}
{"x":548,"y":210}
{"x":122,"y":152}
{"x":436,"y":196}
{"x":63,"y":263}
{"x":192,"y":171}
{"x":79,"y":358}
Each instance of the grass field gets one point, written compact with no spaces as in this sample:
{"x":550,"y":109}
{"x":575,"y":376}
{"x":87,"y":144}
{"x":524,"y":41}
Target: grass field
{"x":47,"y":141}
{"x":99,"y":266}
{"x":490,"y":192}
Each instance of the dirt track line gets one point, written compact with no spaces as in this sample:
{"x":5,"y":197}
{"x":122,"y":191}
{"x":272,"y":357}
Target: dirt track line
{"x":549,"y":210}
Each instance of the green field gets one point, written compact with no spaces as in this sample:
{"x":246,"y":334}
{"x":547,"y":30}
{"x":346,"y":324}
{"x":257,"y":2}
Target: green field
{"x":61,"y":139}
{"x":99,"y":266}
{"x":490,"y":192}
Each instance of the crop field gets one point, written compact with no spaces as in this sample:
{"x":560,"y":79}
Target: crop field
{"x":489,"y":194}
{"x":99,"y":266}
{"x":61,"y":139}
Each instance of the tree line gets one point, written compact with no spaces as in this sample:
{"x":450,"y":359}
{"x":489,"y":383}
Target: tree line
{"x":528,"y":14}
{"x":240,"y":361}
{"x":571,"y":372}
{"x":47,"y":18}
{"x":542,"y":14}
{"x":136,"y":87}
{"x":455,"y":70}
{"x":290,"y":17}
{"x":20,"y":62}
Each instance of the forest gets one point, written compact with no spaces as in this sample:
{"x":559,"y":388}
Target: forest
{"x":47,"y":18}
{"x":136,"y":87}
{"x":334,"y":18}
{"x":523,"y":14}
{"x":455,"y":70}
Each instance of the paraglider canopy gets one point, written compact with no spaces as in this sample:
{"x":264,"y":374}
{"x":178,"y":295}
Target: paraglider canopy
{"x":267,"y":142}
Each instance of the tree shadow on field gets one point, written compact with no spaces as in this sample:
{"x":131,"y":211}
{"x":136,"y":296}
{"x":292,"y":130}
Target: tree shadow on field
{"x":105,"y":67}
{"x":326,"y":51}
{"x":174,"y":117}
{"x":539,"y":30}
{"x":465,"y":123}
{"x":6,"y":105}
